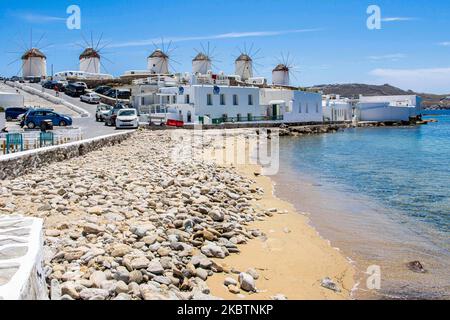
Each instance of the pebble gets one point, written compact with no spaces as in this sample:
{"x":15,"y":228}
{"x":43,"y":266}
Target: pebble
{"x":246,"y":282}
{"x":133,"y":223}
{"x":329,"y":284}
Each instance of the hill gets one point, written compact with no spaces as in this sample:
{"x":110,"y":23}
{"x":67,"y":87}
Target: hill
{"x":353,"y":90}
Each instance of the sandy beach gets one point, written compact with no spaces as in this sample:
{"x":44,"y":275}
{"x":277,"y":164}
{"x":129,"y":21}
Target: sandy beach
{"x":293,"y":258}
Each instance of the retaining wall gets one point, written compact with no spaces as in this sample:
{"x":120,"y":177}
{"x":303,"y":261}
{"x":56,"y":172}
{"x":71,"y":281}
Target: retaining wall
{"x":16,"y":164}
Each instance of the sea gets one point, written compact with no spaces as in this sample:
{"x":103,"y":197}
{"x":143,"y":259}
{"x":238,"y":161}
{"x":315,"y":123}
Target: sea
{"x":381,"y":196}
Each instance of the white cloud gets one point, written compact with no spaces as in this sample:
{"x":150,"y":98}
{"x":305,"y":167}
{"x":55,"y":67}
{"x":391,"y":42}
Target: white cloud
{"x":231,"y":35}
{"x":397,"y":19}
{"x":391,"y":57}
{"x":444,"y":44}
{"x":38,"y":18}
{"x":432,"y":80}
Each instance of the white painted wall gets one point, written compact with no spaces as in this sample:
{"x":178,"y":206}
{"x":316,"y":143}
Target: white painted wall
{"x":34,"y":67}
{"x":11,"y":99}
{"x":384,"y":112}
{"x":337,"y":110}
{"x":90,"y":65}
{"x":297,"y":106}
{"x":244,"y":69}
{"x":280,"y":78}
{"x":158,"y":65}
{"x":198,"y":97}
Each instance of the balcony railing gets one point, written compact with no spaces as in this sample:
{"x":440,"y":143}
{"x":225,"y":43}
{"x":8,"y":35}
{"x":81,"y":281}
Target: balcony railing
{"x":246,"y":119}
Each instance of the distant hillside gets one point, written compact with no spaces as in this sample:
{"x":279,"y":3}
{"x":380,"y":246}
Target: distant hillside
{"x":353,"y":90}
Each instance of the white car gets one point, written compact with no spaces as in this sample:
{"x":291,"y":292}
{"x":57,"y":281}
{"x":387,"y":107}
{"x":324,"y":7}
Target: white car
{"x":90,"y":98}
{"x":127,"y":118}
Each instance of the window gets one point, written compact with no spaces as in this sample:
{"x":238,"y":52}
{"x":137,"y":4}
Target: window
{"x":238,"y":116}
{"x":249,"y":117}
{"x":142,"y":100}
{"x":250,"y":100}
{"x":209,"y":99}
{"x":235,"y":100}
{"x":187,"y":99}
{"x":222,"y":100}
{"x":317,"y":108}
{"x":307,"y":108}
{"x":174,"y":99}
{"x":300,"y":107}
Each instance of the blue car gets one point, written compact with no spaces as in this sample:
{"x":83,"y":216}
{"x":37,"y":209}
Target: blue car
{"x":33,"y":118}
{"x":12,"y":113}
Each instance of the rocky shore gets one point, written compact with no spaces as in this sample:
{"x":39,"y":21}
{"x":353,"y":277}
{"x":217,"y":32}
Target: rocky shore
{"x":127,"y":222}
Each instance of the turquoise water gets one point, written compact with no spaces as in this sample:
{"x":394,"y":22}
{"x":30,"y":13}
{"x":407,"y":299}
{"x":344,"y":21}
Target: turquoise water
{"x":396,"y":179}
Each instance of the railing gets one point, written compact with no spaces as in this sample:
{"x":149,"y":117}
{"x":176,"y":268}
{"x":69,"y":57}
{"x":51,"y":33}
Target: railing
{"x":21,"y":141}
{"x":246,"y":119}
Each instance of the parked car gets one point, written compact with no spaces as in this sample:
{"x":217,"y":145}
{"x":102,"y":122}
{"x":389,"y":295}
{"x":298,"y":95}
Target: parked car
{"x":102,"y":89}
{"x":74,"y":90}
{"x":102,"y":111}
{"x":34,"y":117}
{"x":90,"y":97}
{"x":84,"y":85}
{"x":127,"y":118}
{"x":118,"y":94}
{"x":110,"y":117}
{"x":12,"y":113}
{"x":49,"y":84}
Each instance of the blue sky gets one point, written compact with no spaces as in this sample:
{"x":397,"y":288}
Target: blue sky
{"x":328,"y":40}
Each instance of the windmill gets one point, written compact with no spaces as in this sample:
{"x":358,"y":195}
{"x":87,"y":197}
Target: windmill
{"x":34,"y":61}
{"x":282,"y":73}
{"x":245,"y":62}
{"x":203,"y":61}
{"x":160,"y":60}
{"x":92,"y":55}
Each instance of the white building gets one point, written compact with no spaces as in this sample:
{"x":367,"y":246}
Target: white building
{"x":337,"y":109}
{"x":90,"y":61}
{"x":81,"y":75}
{"x":219,"y":103}
{"x":389,"y":108}
{"x":34,"y":64}
{"x":158,"y":62}
{"x":291,"y":105}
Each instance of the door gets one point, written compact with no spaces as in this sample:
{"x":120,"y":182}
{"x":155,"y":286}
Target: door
{"x":275,"y":111}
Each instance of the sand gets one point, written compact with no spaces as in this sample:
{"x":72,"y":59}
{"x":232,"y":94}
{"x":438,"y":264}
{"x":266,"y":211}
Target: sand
{"x":294,"y":258}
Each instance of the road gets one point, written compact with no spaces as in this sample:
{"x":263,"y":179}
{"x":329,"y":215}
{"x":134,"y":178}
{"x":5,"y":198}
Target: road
{"x":88,"y":125}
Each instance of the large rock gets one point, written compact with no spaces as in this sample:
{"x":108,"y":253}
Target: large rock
{"x":246,"y":282}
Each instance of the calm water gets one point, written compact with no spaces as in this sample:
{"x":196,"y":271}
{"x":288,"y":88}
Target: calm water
{"x":382,"y":195}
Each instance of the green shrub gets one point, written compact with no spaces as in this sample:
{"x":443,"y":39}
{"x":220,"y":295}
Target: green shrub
{"x":2,"y":109}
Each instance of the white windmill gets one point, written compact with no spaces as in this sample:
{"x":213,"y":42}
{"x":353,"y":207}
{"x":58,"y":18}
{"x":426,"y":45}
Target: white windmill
{"x":203,"y":61}
{"x":92,"y":55}
{"x":33,"y":60}
{"x":282,"y":72}
{"x":34,"y":63}
{"x":160,"y":60}
{"x":244,"y":65}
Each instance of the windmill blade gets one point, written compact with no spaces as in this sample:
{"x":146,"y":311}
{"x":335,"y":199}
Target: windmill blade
{"x":87,"y":42}
{"x":40,"y":39}
{"x":92,"y":41}
{"x":98,"y":42}
{"x":12,"y":62}
{"x":103,"y":66}
{"x":103,"y":57}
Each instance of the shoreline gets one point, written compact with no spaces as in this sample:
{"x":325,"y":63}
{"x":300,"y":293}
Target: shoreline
{"x":294,"y":257}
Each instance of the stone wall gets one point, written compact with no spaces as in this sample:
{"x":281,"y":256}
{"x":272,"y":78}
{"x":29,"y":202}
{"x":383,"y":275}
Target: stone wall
{"x":16,"y":164}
